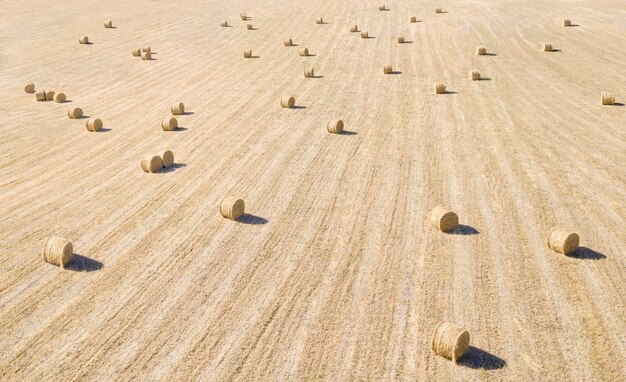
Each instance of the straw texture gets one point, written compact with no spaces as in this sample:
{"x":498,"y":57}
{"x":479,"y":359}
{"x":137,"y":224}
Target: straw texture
{"x":152,"y":164}
{"x":178,"y":108}
{"x":58,"y":251}
{"x":439,"y":88}
{"x":562,"y":240}
{"x":75,"y":113}
{"x":94,"y":124}
{"x":335,"y":126}
{"x":443,"y":218}
{"x":29,"y":88}
{"x":232,"y":208}
{"x":608,"y":98}
{"x":169,"y":124}
{"x":168,"y":158}
{"x":450,"y":341}
{"x":288,"y":102}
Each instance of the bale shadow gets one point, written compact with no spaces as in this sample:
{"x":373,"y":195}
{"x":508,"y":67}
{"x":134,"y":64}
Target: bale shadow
{"x":317,"y":77}
{"x":574,"y":25}
{"x":346,"y":132}
{"x":490,"y":54}
{"x":251,"y":219}
{"x":83,"y":264}
{"x":584,"y":253}
{"x":484,"y":79}
{"x":103,"y":130}
{"x":406,"y":42}
{"x":450,"y":92}
{"x":255,"y":56}
{"x":188,"y":113}
{"x":253,"y":29}
{"x":554,"y":51}
{"x":84,"y":117}
{"x":617,"y":104}
{"x":178,"y":129}
{"x":395,"y":72}
{"x":463,"y":229}
{"x":297,"y":107}
{"x":368,"y":37}
{"x":173,"y":167}
{"x":309,"y":55}
{"x":479,"y":359}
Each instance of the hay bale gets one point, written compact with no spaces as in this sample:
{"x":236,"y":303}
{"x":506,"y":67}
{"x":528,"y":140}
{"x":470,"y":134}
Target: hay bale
{"x":335,"y":126}
{"x":146,"y":49}
{"x":40,"y":95}
{"x":474,"y":75}
{"x":400,"y":39}
{"x":168,"y":158}
{"x":152,"y":164}
{"x":75,"y":113}
{"x":108,"y":24}
{"x":309,"y":73}
{"x":178,"y":108}
{"x":243,"y":16}
{"x":249,"y":27}
{"x":224,"y":24}
{"x":387,"y":69}
{"x":49,"y":95}
{"x":450,"y":340}
{"x":440,"y":88}
{"x":146,"y":56}
{"x":481,"y":50}
{"x":354,"y":28}
{"x":364,"y":34}
{"x":59,"y":98}
{"x":304,"y":52}
{"x":287,"y":102}
{"x":567,"y":23}
{"x":58,"y":251}
{"x":562,"y":240}
{"x":382,"y":7}
{"x":232,"y":208}
{"x":29,"y":88}
{"x":443,"y":218}
{"x":413,"y":19}
{"x":608,"y":98}
{"x":136,"y":53}
{"x":83,"y":40}
{"x":438,"y":10}
{"x":169,"y":124}
{"x":247,"y":53}
{"x":319,"y":20}
{"x":288,"y":42}
{"x":546,"y":47}
{"x":94,"y":124}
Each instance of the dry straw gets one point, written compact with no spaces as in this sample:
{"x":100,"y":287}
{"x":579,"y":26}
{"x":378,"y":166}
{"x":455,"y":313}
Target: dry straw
{"x":178,"y":108}
{"x":364,"y":34}
{"x":169,"y":124}
{"x":382,"y":7}
{"x":108,"y":24}
{"x":413,"y":19}
{"x":400,"y":39}
{"x":481,"y":50}
{"x":49,"y":95}
{"x":75,"y":113}
{"x":232,"y":208}
{"x":247,"y":53}
{"x":443,"y":218}
{"x":608,"y":98}
{"x":136,"y":52}
{"x":567,"y":23}
{"x":562,"y":240}
{"x":546,"y":47}
{"x":450,"y":340}
{"x":249,"y":27}
{"x":287,"y":102}
{"x":168,"y":158}
{"x":224,"y":24}
{"x":58,"y":251}
{"x":354,"y":28}
{"x":146,"y":56}
{"x":40,"y":95}
{"x":288,"y":42}
{"x":474,"y":75}
{"x":146,"y":49}
{"x":438,"y":10}
{"x":29,"y":88}
{"x":309,"y":73}
{"x":387,"y":69}
{"x":152,"y":164}
{"x":440,"y":88}
{"x":94,"y":124}
{"x":303,"y":52}
{"x":59,"y":98}
{"x":319,"y":20}
{"x":335,"y":126}
{"x":83,"y":40}
{"x":243,"y":16}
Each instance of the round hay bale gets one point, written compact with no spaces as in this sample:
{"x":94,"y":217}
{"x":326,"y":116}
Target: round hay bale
{"x":309,"y":73}
{"x":443,"y":218}
{"x":319,"y":20}
{"x":608,"y":98}
{"x":168,"y":158}
{"x":387,"y":69}
{"x":146,"y":49}
{"x":169,"y":124}
{"x":146,"y":56}
{"x":178,"y":108}
{"x":108,"y":24}
{"x":224,"y":24}
{"x":94,"y":124}
{"x":40,"y":95}
{"x":562,"y":240}
{"x":382,"y":7}
{"x":59,"y":98}
{"x":413,"y":19}
{"x":243,"y":16}
{"x":83,"y":40}
{"x":58,"y":251}
{"x":354,"y":28}
{"x":335,"y":126}
{"x":546,"y":47}
{"x":75,"y":113}
{"x":481,"y":50}
{"x":287,"y":102}
{"x":438,"y":10}
{"x":288,"y":42}
{"x":303,"y":52}
{"x":29,"y":88}
{"x":364,"y":34}
{"x":474,"y":75}
{"x":400,"y":39}
{"x":232,"y":208}
{"x":439,"y":88}
{"x":152,"y":164}
{"x":247,"y":53}
{"x":249,"y":27}
{"x":136,"y":53}
{"x":450,"y":340}
{"x":567,"y":23}
{"x":49,"y":95}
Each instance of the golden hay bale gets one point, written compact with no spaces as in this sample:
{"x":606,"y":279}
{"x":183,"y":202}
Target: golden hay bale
{"x":136,"y":52}
{"x":319,"y":20}
{"x":224,"y":24}
{"x":146,"y":49}
{"x":94,"y":124}
{"x":152,"y":164}
{"x":440,"y":88}
{"x":438,"y":10}
{"x":450,"y":340}
{"x":178,"y":108}
{"x":443,"y":218}
{"x":562,"y":240}
{"x":243,"y":16}
{"x":288,"y":42}
{"x":413,"y":19}
{"x":354,"y":28}
{"x":40,"y":95}
{"x":249,"y":27}
{"x":75,"y":113}
{"x":474,"y":75}
{"x":58,"y":251}
{"x":83,"y":40}
{"x":29,"y":88}
{"x":387,"y":69}
{"x":303,"y":52}
{"x":309,"y":73}
{"x":59,"y":98}
{"x":49,"y":95}
{"x":481,"y":51}
{"x":169,"y":124}
{"x":146,"y":56}
{"x":400,"y":39}
{"x":232,"y":208}
{"x":382,"y":7}
{"x":287,"y":102}
{"x":364,"y":34}
{"x":608,"y":98}
{"x":546,"y":47}
{"x":108,"y":24}
{"x":168,"y":158}
{"x":247,"y":53}
{"x":567,"y":23}
{"x":335,"y":126}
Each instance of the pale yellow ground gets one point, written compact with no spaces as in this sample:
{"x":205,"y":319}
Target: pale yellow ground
{"x":337,"y":275}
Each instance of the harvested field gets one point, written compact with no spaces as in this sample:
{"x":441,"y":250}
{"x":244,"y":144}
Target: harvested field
{"x":334,"y":272}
